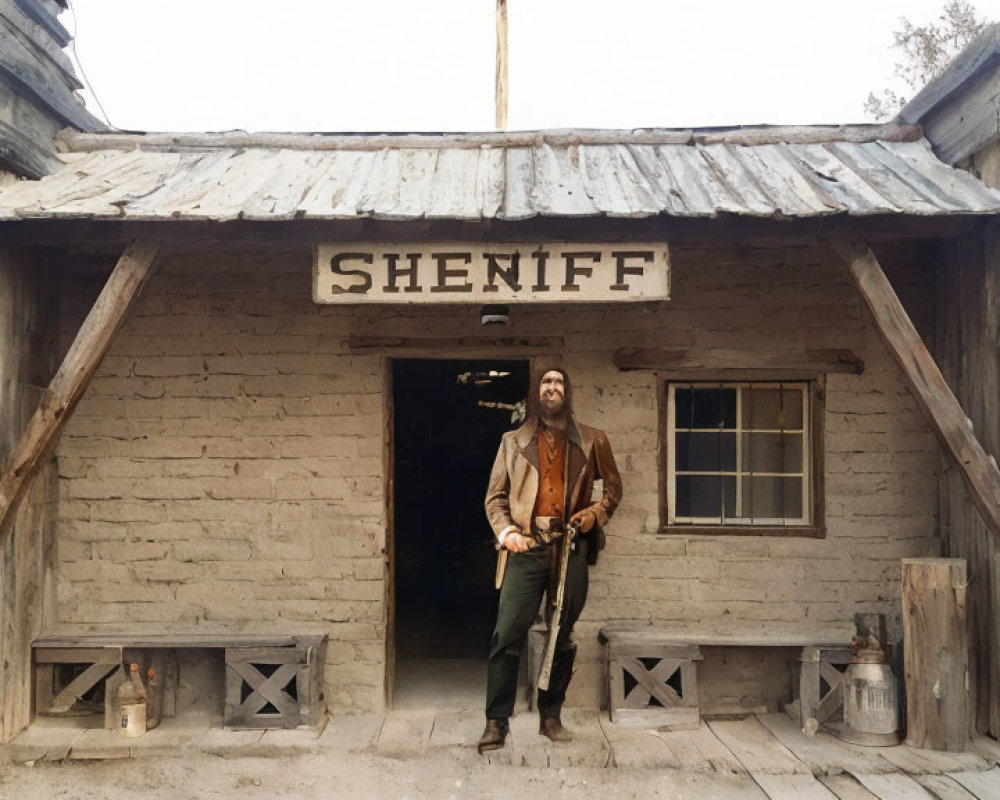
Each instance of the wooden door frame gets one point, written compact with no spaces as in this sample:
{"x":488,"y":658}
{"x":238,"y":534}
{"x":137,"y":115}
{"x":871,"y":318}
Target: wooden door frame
{"x":389,"y":543}
{"x":534,"y":359}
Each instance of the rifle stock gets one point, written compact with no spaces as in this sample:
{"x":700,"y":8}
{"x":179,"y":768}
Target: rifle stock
{"x":555,"y":618}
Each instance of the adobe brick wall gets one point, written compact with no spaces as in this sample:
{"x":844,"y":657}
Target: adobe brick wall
{"x":224,"y":471}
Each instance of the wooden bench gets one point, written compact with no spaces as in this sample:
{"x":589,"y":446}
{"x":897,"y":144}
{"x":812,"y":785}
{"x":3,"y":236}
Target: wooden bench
{"x":271,"y":681}
{"x":653,"y":675}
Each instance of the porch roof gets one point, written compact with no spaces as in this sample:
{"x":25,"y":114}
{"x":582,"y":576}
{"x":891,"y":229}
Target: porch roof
{"x":761,"y":172}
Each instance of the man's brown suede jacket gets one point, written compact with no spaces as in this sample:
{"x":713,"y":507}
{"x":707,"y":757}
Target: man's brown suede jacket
{"x":513,"y":486}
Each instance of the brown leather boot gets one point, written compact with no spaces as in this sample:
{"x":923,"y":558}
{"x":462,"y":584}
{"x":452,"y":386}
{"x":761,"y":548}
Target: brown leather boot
{"x":552,"y":728}
{"x":494,"y":736}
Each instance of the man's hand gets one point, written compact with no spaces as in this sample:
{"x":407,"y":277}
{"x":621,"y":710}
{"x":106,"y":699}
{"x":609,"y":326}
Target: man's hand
{"x":518,"y":542}
{"x":584,"y":520}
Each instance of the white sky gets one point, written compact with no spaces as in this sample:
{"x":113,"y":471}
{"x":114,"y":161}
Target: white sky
{"x":407,"y":65}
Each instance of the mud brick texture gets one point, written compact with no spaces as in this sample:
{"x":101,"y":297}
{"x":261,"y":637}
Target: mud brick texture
{"x":225,"y":472}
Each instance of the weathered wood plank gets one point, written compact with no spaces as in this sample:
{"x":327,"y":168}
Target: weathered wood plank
{"x":361,"y":343}
{"x":757,"y":750}
{"x":933,"y":395}
{"x":961,"y":127}
{"x":987,"y":748}
{"x":967,"y":313}
{"x":501,"y":69}
{"x":960,"y":184}
{"x":28,"y":312}
{"x":893,"y":787}
{"x":792,"y":787}
{"x":39,"y":37}
{"x":792,"y":193}
{"x":881,"y":179}
{"x":557,"y":185}
{"x":264,"y":690}
{"x":73,"y":377}
{"x":651,"y":683}
{"x":936,"y":657}
{"x":38,"y":43}
{"x":632,"y":637}
{"x":813,"y":360}
{"x":405,"y":733}
{"x":73,"y":655}
{"x":841,"y":183}
{"x":640,"y":749}
{"x":822,"y":753}
{"x":27,"y":154}
{"x":931,"y":762}
{"x":945,"y":788}
{"x":79,"y":686}
{"x":46,"y":20}
{"x":845,"y":787}
{"x":267,"y":655}
{"x":510,"y":139}
{"x":454,"y":194}
{"x":701,"y":750}
{"x":43,"y":80}
{"x":147,"y":641}
{"x":984,"y":785}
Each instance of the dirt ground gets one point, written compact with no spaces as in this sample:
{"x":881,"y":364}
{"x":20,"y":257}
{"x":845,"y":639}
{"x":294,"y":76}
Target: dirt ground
{"x":359,"y":776}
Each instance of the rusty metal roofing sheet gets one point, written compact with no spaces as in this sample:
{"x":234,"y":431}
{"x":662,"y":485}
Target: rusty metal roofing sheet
{"x":629,"y":178}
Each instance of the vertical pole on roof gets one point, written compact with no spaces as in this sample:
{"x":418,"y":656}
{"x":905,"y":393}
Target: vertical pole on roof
{"x":501,"y":87}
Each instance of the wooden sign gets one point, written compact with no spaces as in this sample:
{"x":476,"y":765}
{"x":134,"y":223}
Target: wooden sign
{"x":460,"y":272}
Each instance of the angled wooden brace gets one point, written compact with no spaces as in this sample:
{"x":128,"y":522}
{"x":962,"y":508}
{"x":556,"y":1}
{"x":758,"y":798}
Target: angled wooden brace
{"x":74,"y":375}
{"x":935,"y":398}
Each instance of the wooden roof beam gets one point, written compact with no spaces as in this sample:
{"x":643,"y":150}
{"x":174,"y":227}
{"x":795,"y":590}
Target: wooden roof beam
{"x":74,"y":375}
{"x":935,"y":398}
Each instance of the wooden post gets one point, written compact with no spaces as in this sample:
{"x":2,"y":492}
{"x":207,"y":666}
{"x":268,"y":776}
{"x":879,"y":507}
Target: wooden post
{"x":933,"y":395}
{"x":992,"y":650}
{"x":936,"y":653}
{"x":501,"y":88}
{"x":73,"y":377}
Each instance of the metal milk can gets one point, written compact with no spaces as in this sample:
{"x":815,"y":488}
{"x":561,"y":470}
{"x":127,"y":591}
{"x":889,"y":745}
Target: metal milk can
{"x":871,"y":699}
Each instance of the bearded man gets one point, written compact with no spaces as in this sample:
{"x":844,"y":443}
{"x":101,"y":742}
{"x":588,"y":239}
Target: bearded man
{"x":546,"y":471}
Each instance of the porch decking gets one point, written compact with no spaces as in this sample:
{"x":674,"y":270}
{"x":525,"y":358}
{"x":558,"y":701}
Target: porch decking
{"x":763,"y":756}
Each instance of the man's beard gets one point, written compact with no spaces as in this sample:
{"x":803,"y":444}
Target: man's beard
{"x":552,"y":406}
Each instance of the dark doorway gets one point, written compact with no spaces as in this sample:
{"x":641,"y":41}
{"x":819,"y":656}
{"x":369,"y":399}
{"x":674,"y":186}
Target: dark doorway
{"x":449,"y":416}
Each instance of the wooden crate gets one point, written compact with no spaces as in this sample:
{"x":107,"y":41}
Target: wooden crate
{"x":275,"y":687}
{"x":55,"y":696}
{"x":821,"y":685}
{"x":652,"y":684}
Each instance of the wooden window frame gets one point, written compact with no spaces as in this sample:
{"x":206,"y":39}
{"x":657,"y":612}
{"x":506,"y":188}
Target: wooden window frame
{"x":816,"y":393}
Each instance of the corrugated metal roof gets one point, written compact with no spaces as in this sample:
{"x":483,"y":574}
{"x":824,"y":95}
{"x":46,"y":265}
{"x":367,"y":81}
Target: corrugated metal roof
{"x":675,"y":174}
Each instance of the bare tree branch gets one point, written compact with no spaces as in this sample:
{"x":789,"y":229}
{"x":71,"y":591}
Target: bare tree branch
{"x":926,"y":50}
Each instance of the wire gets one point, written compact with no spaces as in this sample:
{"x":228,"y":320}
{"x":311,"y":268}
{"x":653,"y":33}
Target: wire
{"x":83,"y":72}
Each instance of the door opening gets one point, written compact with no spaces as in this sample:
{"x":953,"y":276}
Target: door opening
{"x":449,"y":416}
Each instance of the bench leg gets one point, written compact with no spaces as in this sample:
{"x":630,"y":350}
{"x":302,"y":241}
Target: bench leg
{"x":809,"y":691}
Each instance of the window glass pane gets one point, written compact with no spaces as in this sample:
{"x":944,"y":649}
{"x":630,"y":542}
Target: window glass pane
{"x":770,"y":498}
{"x":705,"y":496}
{"x":772,"y":408}
{"x":772,"y":452}
{"x":705,"y":452}
{"x":683,"y":415}
{"x":708,"y":407}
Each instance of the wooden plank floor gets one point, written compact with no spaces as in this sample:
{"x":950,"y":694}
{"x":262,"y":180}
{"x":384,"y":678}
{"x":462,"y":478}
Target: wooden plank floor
{"x":785,"y":764}
{"x":763,"y":756}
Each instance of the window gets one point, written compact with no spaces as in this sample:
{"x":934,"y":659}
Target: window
{"x":739,"y":454}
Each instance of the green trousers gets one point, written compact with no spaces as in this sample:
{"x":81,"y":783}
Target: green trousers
{"x":525,"y":583}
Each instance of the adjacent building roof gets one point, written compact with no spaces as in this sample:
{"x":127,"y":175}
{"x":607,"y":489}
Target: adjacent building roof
{"x":958,"y":109}
{"x":753,"y":172}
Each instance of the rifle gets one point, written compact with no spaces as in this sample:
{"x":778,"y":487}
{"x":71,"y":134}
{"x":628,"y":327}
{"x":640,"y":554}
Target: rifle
{"x":567,"y":544}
